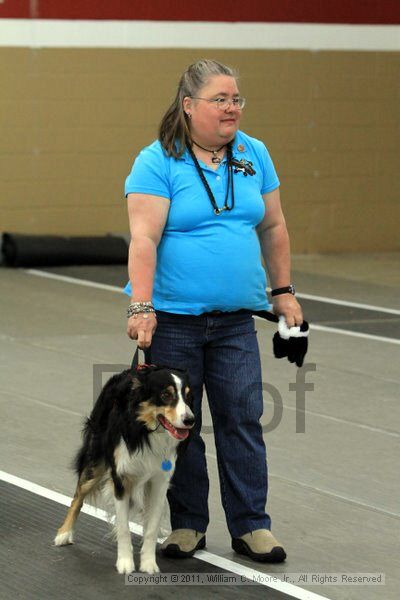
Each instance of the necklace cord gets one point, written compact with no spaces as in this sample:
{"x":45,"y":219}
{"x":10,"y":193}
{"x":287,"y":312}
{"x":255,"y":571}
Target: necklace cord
{"x":215,"y":152}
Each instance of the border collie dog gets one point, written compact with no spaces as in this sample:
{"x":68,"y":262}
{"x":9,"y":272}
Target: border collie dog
{"x":130,"y":444}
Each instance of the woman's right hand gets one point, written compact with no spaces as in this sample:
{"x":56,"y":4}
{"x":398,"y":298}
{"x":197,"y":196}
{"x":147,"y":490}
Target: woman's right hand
{"x":141,"y":327}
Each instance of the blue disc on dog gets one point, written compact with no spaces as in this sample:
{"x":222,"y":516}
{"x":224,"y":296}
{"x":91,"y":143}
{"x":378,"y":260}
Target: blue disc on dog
{"x":166,"y":465}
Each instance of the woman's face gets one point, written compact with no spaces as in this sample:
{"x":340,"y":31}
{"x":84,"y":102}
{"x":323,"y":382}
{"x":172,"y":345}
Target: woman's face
{"x":209,"y":124}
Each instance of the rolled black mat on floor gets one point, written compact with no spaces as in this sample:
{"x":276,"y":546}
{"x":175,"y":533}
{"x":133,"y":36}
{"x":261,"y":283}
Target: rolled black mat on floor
{"x":20,"y":250}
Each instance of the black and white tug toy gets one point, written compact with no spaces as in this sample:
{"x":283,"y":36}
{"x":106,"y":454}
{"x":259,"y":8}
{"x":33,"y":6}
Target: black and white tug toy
{"x":290,"y":342}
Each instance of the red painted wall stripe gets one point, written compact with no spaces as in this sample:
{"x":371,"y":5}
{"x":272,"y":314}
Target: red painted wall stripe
{"x":371,"y":12}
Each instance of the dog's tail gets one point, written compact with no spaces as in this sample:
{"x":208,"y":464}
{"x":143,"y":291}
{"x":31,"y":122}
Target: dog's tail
{"x":81,"y":459}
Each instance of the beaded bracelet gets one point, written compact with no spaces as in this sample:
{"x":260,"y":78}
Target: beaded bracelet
{"x":139,"y":307}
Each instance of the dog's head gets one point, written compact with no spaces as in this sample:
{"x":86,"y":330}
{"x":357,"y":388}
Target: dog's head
{"x":165,"y":399}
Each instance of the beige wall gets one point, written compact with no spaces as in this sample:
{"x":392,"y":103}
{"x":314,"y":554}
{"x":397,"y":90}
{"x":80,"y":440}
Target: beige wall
{"x":72,"y":121}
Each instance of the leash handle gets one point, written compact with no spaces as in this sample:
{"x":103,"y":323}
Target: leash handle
{"x":146,"y":356}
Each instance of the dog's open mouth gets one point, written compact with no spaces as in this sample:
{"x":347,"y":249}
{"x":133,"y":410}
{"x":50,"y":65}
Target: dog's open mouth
{"x":178,"y":434}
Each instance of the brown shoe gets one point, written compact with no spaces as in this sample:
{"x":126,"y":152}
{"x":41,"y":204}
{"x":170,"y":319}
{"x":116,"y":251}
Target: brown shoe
{"x":260,"y":545}
{"x":183,"y":543}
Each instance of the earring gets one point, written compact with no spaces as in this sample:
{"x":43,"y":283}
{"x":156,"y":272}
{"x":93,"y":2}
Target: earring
{"x":189,"y":115}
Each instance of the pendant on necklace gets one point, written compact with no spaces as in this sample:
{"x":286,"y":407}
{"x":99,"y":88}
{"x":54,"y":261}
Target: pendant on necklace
{"x":215,"y":159}
{"x":166,"y":465}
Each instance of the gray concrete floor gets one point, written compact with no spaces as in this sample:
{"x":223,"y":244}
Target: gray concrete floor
{"x":334,"y":488}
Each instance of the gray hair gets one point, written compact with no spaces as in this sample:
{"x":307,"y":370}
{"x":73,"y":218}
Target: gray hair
{"x":174,"y":132}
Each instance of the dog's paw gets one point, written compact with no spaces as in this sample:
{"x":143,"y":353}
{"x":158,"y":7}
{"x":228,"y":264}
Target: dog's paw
{"x":125,"y":564}
{"x":64,"y":538}
{"x":149,"y":565}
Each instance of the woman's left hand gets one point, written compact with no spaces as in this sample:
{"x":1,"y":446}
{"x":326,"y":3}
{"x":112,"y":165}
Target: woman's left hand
{"x":287,"y":305}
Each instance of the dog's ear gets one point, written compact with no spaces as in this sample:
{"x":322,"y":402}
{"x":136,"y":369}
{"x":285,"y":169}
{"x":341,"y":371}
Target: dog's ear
{"x":141,"y":372}
{"x":136,"y":383}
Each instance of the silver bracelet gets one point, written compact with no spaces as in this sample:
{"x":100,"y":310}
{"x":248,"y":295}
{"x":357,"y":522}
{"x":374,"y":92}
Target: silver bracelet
{"x":136,"y":308}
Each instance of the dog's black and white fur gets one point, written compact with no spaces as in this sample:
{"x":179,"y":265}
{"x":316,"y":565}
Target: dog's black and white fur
{"x":135,"y":428}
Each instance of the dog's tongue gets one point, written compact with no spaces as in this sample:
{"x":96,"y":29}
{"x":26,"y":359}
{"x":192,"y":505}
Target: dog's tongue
{"x":181,"y":434}
{"x":178,"y":434}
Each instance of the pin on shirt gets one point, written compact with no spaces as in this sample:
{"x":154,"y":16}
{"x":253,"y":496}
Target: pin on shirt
{"x":241,"y":148}
{"x":243,"y":166}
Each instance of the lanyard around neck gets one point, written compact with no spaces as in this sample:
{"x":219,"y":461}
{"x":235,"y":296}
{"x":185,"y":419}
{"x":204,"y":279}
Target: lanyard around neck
{"x":217,"y":210}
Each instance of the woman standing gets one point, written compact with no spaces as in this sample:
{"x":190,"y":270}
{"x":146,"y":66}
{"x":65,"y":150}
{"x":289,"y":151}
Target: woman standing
{"x":204,"y":205}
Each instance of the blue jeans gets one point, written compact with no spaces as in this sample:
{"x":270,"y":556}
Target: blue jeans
{"x":220,"y":352}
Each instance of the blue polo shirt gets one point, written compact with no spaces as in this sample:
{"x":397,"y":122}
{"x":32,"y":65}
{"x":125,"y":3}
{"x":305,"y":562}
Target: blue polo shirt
{"x":207,"y":262}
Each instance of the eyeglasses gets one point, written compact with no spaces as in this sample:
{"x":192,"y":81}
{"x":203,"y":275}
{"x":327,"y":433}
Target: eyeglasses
{"x":223,"y":103}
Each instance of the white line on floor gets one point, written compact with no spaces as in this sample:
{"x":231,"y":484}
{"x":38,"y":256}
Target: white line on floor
{"x":113,"y":288}
{"x":15,"y":394}
{"x":390,"y":311}
{"x":75,"y":280}
{"x":367,"y":336}
{"x":208,"y":557}
{"x":343,"y":421}
{"x":335,"y":495}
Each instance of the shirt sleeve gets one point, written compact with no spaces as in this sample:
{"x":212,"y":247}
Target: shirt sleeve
{"x":270,"y":177}
{"x":149,"y":174}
